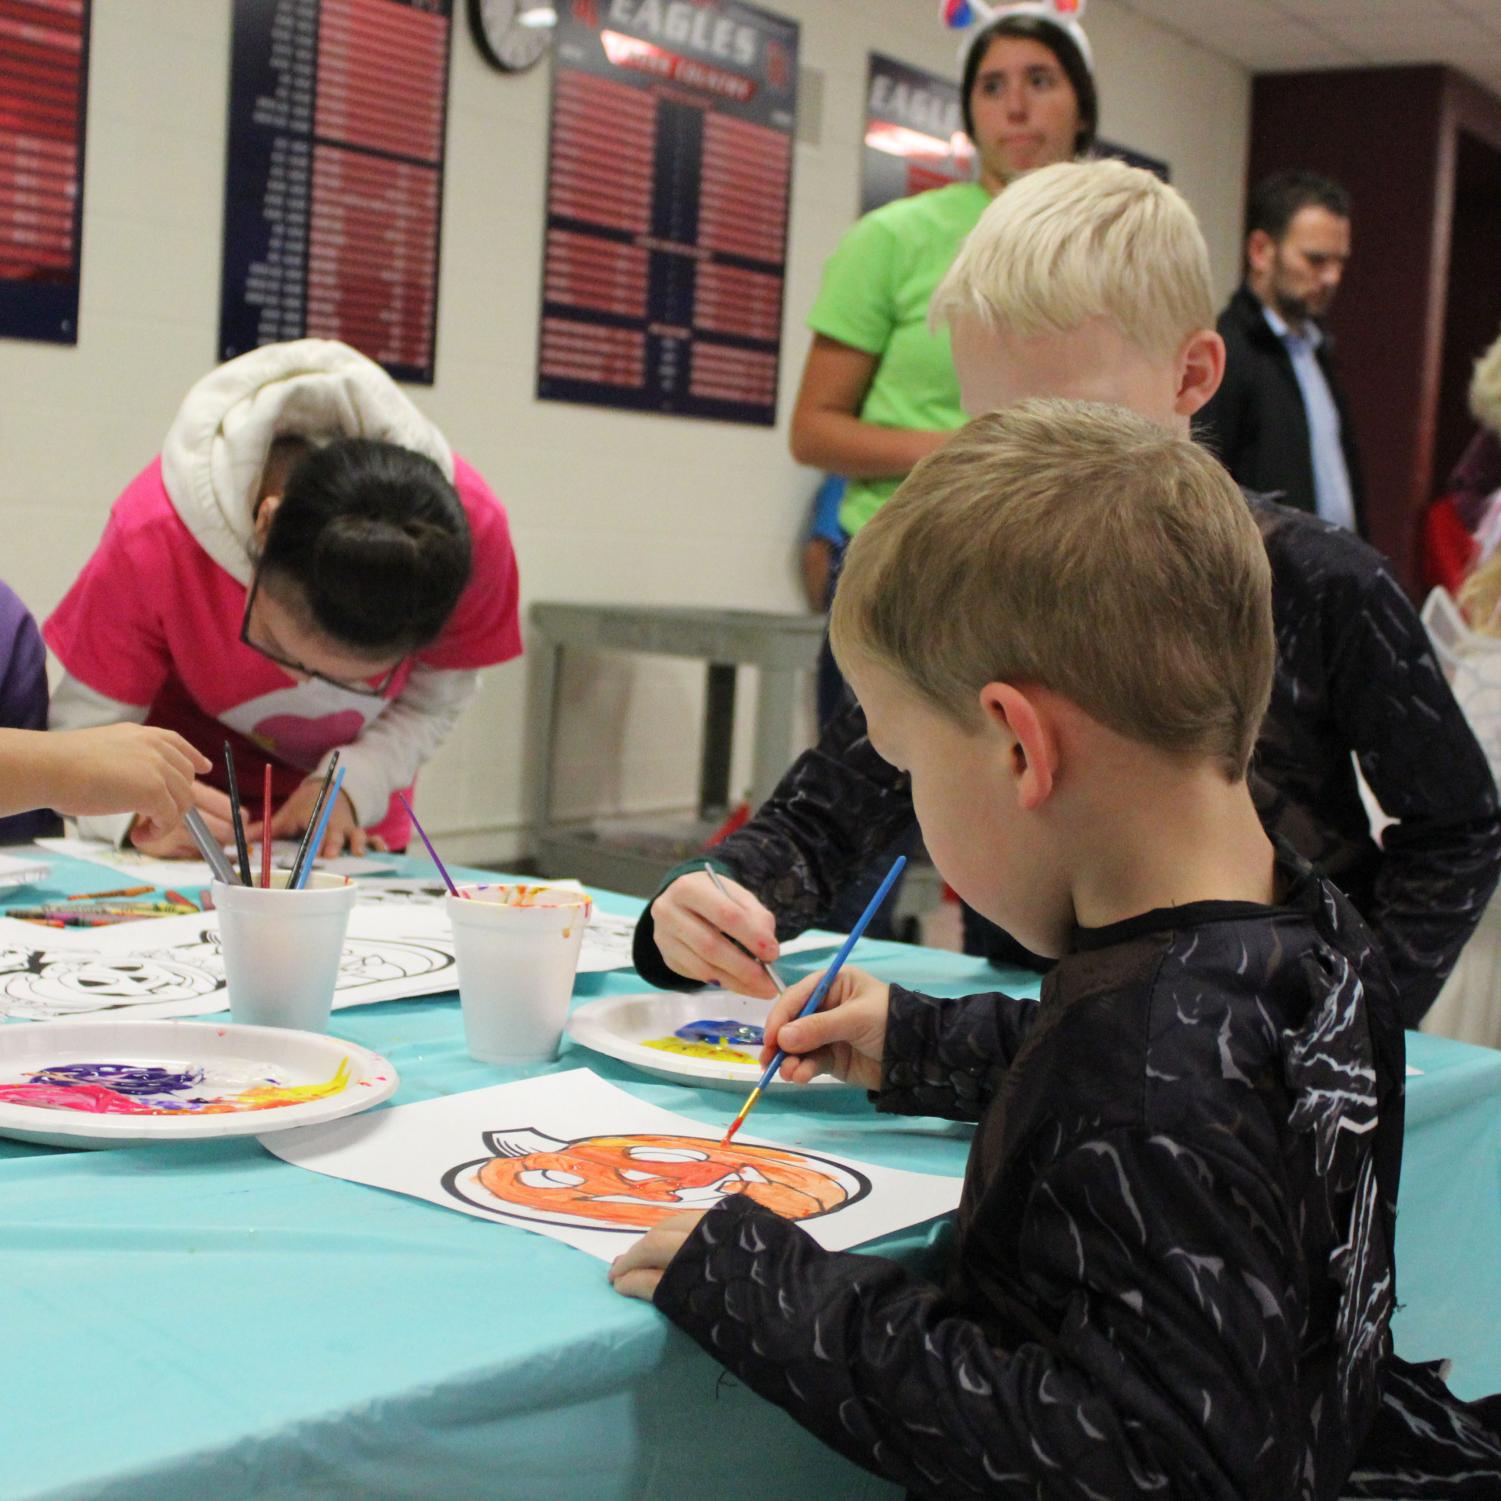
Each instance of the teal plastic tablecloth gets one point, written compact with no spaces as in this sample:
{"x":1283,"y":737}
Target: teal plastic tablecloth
{"x":205,"y":1320}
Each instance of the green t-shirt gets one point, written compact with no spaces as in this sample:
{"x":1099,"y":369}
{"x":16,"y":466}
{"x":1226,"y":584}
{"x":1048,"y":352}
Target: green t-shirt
{"x":875,"y":294}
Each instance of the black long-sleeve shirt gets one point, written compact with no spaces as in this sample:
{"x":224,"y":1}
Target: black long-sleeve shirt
{"x":1355,"y":676}
{"x":1173,"y":1272}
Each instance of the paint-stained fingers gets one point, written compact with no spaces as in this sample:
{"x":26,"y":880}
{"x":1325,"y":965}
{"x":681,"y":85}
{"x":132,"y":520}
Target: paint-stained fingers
{"x":738,"y":915}
{"x":697,"y":950}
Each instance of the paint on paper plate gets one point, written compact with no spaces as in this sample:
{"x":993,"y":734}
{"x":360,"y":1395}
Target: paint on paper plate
{"x":159,"y":1089}
{"x":714,"y":1041}
{"x":630,"y":1183}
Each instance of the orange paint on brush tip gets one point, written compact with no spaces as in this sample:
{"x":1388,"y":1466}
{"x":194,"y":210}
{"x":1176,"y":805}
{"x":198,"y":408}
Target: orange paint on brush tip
{"x":739,"y":1120}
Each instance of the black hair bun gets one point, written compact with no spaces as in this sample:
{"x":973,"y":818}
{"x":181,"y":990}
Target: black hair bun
{"x":375,"y":539}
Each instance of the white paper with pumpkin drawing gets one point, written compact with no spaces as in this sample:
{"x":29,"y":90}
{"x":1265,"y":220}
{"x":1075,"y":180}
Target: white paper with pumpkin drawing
{"x":571,"y":1156}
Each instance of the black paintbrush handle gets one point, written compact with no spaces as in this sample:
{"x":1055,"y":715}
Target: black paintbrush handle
{"x":303,"y":852}
{"x":242,"y":850}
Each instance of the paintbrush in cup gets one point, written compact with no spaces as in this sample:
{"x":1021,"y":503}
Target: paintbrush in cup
{"x":422,"y":835}
{"x":266,"y":827}
{"x":821,"y":989}
{"x":293,"y":881}
{"x":208,"y":847}
{"x":242,"y":850}
{"x":317,"y":840}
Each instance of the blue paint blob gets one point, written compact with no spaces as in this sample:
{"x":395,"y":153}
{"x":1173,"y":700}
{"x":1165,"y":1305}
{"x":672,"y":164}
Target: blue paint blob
{"x":709,"y":1030}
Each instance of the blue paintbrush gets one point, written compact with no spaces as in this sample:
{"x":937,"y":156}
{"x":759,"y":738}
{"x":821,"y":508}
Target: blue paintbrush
{"x":299,"y":879}
{"x":821,"y":989}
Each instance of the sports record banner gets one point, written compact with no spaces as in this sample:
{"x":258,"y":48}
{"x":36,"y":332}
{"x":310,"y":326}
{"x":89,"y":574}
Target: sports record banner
{"x":669,"y":174}
{"x":44,"y":75}
{"x":333,"y":190}
{"x":914,"y":133}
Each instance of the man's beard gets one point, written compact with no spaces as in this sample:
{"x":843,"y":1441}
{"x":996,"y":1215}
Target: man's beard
{"x":1296,"y":309}
{"x":1292,"y":309}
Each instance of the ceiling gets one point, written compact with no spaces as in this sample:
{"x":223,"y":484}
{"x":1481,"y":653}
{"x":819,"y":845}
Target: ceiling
{"x":1271,"y":36}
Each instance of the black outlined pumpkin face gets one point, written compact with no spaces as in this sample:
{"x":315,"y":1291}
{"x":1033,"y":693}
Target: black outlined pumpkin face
{"x":634,"y":1182}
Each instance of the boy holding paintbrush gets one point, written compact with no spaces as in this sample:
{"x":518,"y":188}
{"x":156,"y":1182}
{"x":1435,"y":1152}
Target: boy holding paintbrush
{"x":1173,"y":1272}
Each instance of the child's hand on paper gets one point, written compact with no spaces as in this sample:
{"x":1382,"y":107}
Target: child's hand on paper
{"x":636,"y":1272}
{"x":168,"y":839}
{"x":845,"y":1037}
{"x":695,"y":924}
{"x":294,"y":815}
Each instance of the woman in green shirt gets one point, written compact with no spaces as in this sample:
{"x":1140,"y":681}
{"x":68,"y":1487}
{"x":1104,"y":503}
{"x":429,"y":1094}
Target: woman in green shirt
{"x":878,"y":390}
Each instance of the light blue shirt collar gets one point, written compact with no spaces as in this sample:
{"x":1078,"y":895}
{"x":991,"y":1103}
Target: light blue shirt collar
{"x":1312,"y":334}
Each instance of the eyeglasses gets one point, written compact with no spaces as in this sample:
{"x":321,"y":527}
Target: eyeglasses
{"x":367,"y":689}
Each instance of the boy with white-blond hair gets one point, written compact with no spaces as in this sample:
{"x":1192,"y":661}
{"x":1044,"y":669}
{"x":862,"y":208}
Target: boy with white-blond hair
{"x":1173,"y":1272}
{"x":1091,"y":280}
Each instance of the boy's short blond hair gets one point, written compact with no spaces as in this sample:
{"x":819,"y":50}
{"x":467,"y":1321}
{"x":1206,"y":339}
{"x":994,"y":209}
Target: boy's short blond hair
{"x":1082,"y":240}
{"x":1080,"y":548}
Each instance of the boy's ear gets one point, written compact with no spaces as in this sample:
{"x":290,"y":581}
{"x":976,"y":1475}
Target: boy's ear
{"x":1034,"y":746}
{"x":1201,"y":368}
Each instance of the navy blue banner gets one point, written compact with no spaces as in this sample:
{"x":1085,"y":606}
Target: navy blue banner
{"x":334,"y":181}
{"x":669,"y":176}
{"x":914,"y":133}
{"x":44,"y":84}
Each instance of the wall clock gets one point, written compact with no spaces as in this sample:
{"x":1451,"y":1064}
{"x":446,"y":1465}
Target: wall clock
{"x":512,"y":34}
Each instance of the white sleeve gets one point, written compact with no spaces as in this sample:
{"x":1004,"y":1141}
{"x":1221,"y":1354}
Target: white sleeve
{"x":387,"y":753}
{"x":77,"y":707}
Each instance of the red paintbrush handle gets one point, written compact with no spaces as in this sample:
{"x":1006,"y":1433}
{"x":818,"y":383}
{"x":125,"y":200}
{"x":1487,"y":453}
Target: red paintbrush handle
{"x":266,"y":828}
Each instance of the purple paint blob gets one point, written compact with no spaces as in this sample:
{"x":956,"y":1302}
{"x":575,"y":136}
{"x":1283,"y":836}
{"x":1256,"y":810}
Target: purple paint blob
{"x":122,"y":1078}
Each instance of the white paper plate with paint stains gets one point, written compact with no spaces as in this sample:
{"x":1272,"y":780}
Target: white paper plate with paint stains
{"x":114,"y":1083}
{"x":643,"y":1031}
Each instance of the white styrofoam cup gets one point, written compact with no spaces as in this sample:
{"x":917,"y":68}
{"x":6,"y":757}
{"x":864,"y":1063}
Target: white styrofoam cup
{"x":516,"y":966}
{"x":281,"y":948}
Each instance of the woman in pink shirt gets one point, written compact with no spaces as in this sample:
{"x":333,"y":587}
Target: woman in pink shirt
{"x":306,"y":567}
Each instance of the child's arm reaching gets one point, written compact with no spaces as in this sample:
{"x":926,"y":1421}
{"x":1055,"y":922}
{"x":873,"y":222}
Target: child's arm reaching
{"x":117,"y":768}
{"x":1144,"y":1343}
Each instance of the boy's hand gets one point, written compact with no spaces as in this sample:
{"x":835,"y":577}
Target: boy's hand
{"x":296,"y":813}
{"x":119,"y":768}
{"x":695,"y":923}
{"x":169,"y":839}
{"x":845,"y":1037}
{"x":636,"y":1272}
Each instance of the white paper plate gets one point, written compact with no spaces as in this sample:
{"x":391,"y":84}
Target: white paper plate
{"x":619,"y":1025}
{"x":233,"y":1058}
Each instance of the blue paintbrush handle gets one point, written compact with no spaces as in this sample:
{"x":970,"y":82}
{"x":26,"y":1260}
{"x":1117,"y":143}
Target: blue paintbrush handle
{"x":316,"y":843}
{"x":822,"y":988}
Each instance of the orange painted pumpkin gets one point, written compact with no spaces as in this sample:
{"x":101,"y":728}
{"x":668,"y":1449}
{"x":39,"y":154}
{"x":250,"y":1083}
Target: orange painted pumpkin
{"x":633,"y":1182}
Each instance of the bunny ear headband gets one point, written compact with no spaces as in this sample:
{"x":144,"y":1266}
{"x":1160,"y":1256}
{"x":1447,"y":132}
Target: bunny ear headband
{"x":975,"y":15}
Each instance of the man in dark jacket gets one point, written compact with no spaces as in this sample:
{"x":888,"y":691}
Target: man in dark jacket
{"x":1279,"y":421}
